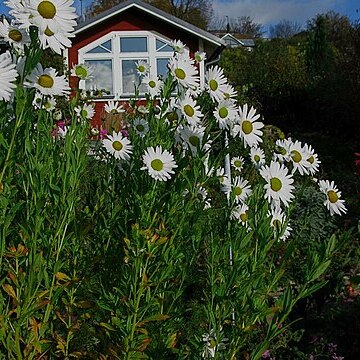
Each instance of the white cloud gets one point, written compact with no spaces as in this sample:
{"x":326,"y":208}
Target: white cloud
{"x":272,"y":11}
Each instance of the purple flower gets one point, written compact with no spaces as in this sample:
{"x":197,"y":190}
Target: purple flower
{"x":124,"y":133}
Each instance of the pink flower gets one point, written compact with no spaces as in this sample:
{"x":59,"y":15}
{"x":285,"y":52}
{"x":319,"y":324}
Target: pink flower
{"x":103,"y":133}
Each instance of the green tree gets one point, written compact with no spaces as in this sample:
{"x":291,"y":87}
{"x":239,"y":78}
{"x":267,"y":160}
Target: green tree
{"x":284,"y":29}
{"x":319,"y":52}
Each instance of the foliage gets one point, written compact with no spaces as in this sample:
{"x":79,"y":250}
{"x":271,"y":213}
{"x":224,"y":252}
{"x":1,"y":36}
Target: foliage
{"x":284,"y":29}
{"x":100,"y":259}
{"x":244,"y":25}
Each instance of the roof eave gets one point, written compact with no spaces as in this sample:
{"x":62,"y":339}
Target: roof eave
{"x":159,"y":14}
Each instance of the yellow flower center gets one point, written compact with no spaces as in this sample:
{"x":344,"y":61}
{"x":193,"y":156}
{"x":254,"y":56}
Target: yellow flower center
{"x":332,"y":195}
{"x":311,"y":159}
{"x":244,"y":216}
{"x":152,"y":83}
{"x":84,"y":113}
{"x":46,"y":81}
{"x":47,"y":105}
{"x":180,"y":74}
{"x":275,"y":184}
{"x":223,"y":112}
{"x":172,"y":116}
{"x":189,"y":111}
{"x":213,"y":84}
{"x":47,"y":9}
{"x":48,"y":32}
{"x":296,"y":156}
{"x":238,"y":191}
{"x":140,"y":127}
{"x":157,"y":164}
{"x":141,"y":68}
{"x":117,"y":145}
{"x":277,"y":224}
{"x":194,"y":140}
{"x":257,"y":158}
{"x":114,"y":111}
{"x":15,"y":35}
{"x":81,"y":72}
{"x":237,"y":163}
{"x":247,"y":127}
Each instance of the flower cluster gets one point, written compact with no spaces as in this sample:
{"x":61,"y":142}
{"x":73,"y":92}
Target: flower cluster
{"x":54,"y":19}
{"x":192,"y":133}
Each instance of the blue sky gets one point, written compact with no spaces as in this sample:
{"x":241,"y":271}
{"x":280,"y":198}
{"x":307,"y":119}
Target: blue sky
{"x":268,"y":12}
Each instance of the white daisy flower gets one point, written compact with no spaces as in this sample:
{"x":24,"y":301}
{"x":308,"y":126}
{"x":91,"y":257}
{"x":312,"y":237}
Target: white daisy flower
{"x":118,"y":145}
{"x":38,"y":99}
{"x":47,"y":103}
{"x":278,"y":183}
{"x":190,"y":110}
{"x":54,"y":15}
{"x":8,"y":76}
{"x":159,"y":163}
{"x":142,"y":67}
{"x":86,"y":111}
{"x":142,"y":109}
{"x":82,"y":71}
{"x":298,"y":157}
{"x":240,"y":189}
{"x":201,"y":194}
{"x":113,"y":107}
{"x":141,"y":127}
{"x":237,"y":163}
{"x":248,"y":128}
{"x":20,"y":10}
{"x":57,"y":41}
{"x":257,"y":156}
{"x":240,"y":213}
{"x":192,"y":136}
{"x":195,"y":91}
{"x":184,"y":72}
{"x":229,"y":92}
{"x":47,"y":81}
{"x":280,"y":224}
{"x":282,"y":149}
{"x":213,"y":343}
{"x":13,"y":35}
{"x":178,"y":46}
{"x":172,"y":112}
{"x":312,"y":159}
{"x":200,"y":56}
{"x":224,"y":180}
{"x":225,"y":114}
{"x":153,"y":85}
{"x":63,"y":131}
{"x":333,"y":202}
{"x":216,"y":83}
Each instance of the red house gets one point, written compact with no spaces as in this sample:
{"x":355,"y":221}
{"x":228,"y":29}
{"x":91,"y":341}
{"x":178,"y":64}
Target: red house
{"x":115,"y":40}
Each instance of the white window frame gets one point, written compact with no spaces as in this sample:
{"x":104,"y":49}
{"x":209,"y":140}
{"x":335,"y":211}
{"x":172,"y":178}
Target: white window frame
{"x":116,"y":56}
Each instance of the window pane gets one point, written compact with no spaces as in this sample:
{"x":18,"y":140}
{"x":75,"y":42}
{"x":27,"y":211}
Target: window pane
{"x":133,"y":44}
{"x":161,"y":67}
{"x":163,"y":47}
{"x":102,"y":77}
{"x":130,"y":77}
{"x":103,"y":48}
